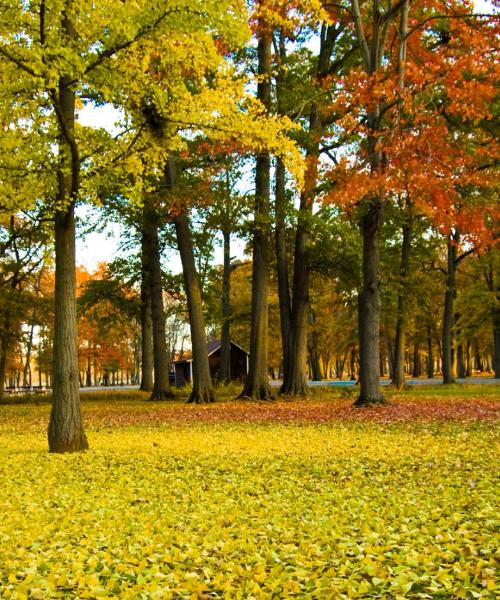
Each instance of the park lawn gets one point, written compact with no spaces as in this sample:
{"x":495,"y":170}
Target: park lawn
{"x":309,"y":499}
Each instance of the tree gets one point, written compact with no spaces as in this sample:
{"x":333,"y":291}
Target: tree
{"x":257,"y":382}
{"x":399,"y":112}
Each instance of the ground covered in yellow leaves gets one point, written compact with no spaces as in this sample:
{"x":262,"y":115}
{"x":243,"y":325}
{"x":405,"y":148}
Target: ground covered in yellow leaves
{"x":225,"y":508}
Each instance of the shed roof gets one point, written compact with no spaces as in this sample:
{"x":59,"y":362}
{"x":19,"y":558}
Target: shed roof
{"x":212,"y":347}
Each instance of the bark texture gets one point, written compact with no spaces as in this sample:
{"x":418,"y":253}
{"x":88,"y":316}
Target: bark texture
{"x":202,"y":382}
{"x":224,"y":371}
{"x":150,"y":242}
{"x":66,"y":432}
{"x":369,"y":309}
{"x":398,"y":379}
{"x":203,"y":390}
{"x":257,"y":382}
{"x":146,"y":324}
{"x":295,"y":367}
{"x":448,"y":313}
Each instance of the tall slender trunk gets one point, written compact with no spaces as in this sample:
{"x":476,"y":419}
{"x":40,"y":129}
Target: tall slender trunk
{"x":449,"y":298}
{"x":430,"y":354}
{"x":417,"y":363}
{"x":150,"y":241}
{"x":282,"y":264}
{"x":65,"y":431}
{"x":202,"y":382}
{"x":257,"y":381}
{"x":295,"y":376}
{"x":398,"y":378}
{"x":147,"y":384}
{"x":3,"y":364}
{"x":493,"y":282}
{"x":224,"y":371}
{"x":29,"y":348}
{"x":280,"y":232}
{"x":316,"y":371}
{"x":496,"y":342}
{"x":203,"y":390}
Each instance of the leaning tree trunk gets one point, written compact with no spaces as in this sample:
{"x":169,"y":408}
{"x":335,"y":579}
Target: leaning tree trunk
{"x":202,"y":382}
{"x":161,"y":387}
{"x":224,"y":371}
{"x":398,"y":379}
{"x":146,"y":324}
{"x":257,"y":381}
{"x":369,"y":308}
{"x":66,"y":432}
{"x":449,"y":298}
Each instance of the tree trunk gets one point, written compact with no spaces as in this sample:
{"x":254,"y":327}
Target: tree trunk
{"x":316,"y":372}
{"x":430,"y":355}
{"x":66,"y":432}
{"x":461,"y":371}
{"x":282,"y":264}
{"x":147,"y":384}
{"x":398,"y":379}
{"x":224,"y":371}
{"x":496,"y":342}
{"x":161,"y":387}
{"x":202,"y":382}
{"x":295,"y":377}
{"x":369,"y":308}
{"x":448,"y":375}
{"x":257,"y":381}
{"x":417,"y":364}
{"x":3,"y":364}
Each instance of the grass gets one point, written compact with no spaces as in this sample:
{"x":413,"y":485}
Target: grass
{"x":308,"y":499}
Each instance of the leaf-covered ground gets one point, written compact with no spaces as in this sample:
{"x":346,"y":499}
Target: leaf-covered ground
{"x":254,"y":500}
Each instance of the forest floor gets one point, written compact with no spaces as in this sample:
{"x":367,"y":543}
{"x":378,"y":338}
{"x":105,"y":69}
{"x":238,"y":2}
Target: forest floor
{"x":305,"y":499}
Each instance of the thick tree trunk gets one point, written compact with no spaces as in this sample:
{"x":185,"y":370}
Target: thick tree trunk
{"x":161,"y":387}
{"x":398,"y":379}
{"x":66,"y":432}
{"x":449,"y":298}
{"x":202,"y":382}
{"x":257,"y":382}
{"x":224,"y":371}
{"x":147,"y":383}
{"x":295,"y":376}
{"x":369,"y":308}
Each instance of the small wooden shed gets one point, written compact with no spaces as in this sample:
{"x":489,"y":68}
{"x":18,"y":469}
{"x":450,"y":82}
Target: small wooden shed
{"x":239,"y":363}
